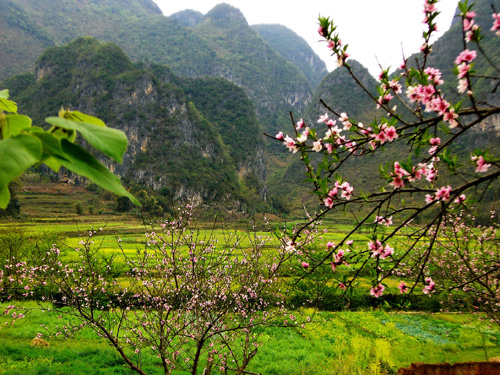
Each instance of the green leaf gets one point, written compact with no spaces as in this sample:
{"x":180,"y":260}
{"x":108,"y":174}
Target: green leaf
{"x":17,"y":154}
{"x":463,"y":6}
{"x":61,"y":133}
{"x":4,"y":196}
{"x":84,"y":164}
{"x":8,"y":105}
{"x":14,"y":124}
{"x":365,"y":197}
{"x":383,"y":171}
{"x":418,"y":149}
{"x":4,"y":94}
{"x":52,"y":163}
{"x":110,"y":141}
{"x":51,"y":144}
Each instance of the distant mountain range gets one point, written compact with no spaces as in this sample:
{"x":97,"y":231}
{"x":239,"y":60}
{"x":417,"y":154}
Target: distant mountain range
{"x":219,"y":44}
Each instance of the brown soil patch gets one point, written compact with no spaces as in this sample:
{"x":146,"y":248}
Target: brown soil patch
{"x":466,"y":368}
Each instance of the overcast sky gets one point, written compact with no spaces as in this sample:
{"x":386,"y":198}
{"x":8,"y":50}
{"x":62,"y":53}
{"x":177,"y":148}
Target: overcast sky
{"x":372,"y":28}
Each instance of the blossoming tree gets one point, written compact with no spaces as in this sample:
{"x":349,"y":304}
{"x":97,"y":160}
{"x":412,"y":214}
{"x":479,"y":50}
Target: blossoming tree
{"x":465,"y":262}
{"x":184,"y":302}
{"x":416,"y":113}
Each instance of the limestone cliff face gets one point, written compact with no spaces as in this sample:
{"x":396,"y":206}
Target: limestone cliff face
{"x":233,"y":114}
{"x":172,"y":144}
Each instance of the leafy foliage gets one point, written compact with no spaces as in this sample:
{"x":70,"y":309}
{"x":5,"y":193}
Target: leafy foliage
{"x":23,"y":145}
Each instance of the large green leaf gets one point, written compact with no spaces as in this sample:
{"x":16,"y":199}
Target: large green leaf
{"x":51,"y":149}
{"x":4,"y":196}
{"x":82,"y":117}
{"x":112,"y":142}
{"x":52,"y":163}
{"x":84,"y":164}
{"x":17,"y":154}
{"x":14,"y":124}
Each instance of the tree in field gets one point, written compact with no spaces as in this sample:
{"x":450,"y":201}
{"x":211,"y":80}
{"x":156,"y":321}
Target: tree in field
{"x":427,"y":176}
{"x":465,"y":262}
{"x":183,"y":302}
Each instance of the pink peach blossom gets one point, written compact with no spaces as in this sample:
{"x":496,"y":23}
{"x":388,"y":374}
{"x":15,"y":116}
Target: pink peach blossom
{"x":466,"y":56}
{"x":402,"y":287}
{"x":482,"y":166}
{"x":377,"y":291}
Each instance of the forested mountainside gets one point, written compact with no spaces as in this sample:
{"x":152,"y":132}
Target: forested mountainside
{"x":177,"y":139}
{"x":339,"y":90}
{"x":188,"y":17}
{"x":285,"y":41}
{"x":275,"y":85}
{"x":295,"y":50}
{"x":30,"y":26}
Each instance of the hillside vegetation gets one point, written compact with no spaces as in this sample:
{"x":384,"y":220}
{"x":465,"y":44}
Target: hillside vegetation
{"x":295,"y":50}
{"x":158,"y":112}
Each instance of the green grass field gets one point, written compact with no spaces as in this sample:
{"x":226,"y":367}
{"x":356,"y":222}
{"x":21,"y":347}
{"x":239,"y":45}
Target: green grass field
{"x":343,"y":343}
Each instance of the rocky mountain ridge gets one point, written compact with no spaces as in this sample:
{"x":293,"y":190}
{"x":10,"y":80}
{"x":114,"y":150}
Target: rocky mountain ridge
{"x":173,"y":146}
